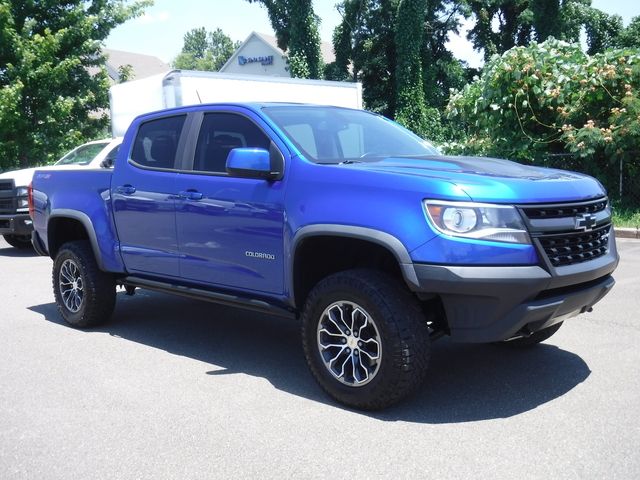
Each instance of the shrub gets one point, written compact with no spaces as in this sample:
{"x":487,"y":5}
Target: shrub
{"x":551,"y":99}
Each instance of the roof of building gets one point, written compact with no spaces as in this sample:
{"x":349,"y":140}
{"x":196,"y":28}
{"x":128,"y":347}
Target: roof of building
{"x":326,"y":48}
{"x":142,"y":65}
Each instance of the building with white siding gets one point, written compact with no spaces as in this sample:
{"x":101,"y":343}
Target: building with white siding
{"x":259,"y":54}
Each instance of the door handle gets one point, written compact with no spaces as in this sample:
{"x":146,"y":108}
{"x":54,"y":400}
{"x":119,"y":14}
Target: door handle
{"x":191,"y":195}
{"x":126,"y":189}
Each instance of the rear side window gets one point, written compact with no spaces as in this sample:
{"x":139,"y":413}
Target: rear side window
{"x":222,"y":132}
{"x":156,"y":143}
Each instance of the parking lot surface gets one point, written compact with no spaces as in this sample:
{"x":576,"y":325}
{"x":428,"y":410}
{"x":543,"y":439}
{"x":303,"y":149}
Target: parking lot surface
{"x":176,"y":388}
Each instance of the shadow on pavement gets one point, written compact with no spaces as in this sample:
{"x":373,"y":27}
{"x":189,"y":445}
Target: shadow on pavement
{"x":465,"y":382}
{"x":12,"y":252}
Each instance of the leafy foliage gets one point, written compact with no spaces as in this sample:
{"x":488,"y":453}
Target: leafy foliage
{"x":53,"y":84}
{"x":553,"y":99}
{"x":630,"y":36}
{"x":296,"y":27}
{"x":203,"y":50}
{"x":520,"y":22}
{"x":411,"y":112}
{"x":602,"y":31}
{"x":367,"y":46}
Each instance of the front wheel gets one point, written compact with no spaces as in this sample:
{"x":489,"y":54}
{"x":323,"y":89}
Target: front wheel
{"x":84,"y":294}
{"x":365,"y":339}
{"x":18,"y":241}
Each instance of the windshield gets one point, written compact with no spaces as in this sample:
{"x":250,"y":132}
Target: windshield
{"x":337,"y":135}
{"x":82,"y":155}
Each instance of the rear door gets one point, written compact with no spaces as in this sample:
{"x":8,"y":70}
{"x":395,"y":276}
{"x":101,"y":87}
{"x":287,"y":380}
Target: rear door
{"x":230,"y":230}
{"x":143,"y":194}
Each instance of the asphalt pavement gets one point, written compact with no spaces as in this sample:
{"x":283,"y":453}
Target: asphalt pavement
{"x":180,"y":389}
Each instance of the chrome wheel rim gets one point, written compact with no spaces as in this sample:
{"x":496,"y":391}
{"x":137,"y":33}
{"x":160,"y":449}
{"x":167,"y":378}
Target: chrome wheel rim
{"x":71,"y":286}
{"x":349,"y":343}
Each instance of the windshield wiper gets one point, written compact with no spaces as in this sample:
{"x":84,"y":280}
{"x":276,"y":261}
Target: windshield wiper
{"x":344,"y":162}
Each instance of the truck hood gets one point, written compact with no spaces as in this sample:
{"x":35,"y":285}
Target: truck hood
{"x":493,"y":180}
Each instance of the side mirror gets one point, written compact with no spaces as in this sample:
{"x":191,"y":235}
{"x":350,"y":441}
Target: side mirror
{"x":254,"y":163}
{"x":107,"y":163}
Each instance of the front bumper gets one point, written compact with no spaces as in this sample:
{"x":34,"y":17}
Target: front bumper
{"x":488,"y":304}
{"x":16,"y":224}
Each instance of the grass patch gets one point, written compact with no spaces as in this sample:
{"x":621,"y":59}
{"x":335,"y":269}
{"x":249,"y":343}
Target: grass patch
{"x":626,"y":217}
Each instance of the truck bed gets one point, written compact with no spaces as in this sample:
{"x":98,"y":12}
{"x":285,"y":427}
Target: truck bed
{"x":80,"y":194}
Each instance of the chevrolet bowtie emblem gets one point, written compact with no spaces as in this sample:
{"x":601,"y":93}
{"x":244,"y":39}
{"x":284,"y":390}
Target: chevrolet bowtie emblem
{"x":585,"y":222}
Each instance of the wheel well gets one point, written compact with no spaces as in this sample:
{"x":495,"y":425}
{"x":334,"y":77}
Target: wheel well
{"x":62,"y":230}
{"x":320,"y":256}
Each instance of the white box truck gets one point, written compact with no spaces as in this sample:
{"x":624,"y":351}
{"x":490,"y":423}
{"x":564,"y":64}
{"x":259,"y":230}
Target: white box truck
{"x":184,"y":87}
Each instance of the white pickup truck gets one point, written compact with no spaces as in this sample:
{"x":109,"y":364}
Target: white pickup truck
{"x":15,"y":224}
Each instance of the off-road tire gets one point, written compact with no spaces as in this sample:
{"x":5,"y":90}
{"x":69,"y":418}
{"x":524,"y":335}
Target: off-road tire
{"x":534,"y":338}
{"x":98,"y":287}
{"x":403,"y":335}
{"x":18,"y":241}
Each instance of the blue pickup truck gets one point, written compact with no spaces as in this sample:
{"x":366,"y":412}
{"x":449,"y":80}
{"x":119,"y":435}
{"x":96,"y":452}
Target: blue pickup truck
{"x":340,"y":218}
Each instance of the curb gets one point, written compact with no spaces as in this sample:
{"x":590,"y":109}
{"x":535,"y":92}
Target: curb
{"x":627,"y":232}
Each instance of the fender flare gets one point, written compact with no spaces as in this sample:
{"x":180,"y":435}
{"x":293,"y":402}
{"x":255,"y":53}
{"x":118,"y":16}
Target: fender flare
{"x":86,"y":222}
{"x":395,"y":246}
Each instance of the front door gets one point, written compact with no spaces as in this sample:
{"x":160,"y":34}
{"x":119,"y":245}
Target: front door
{"x":230,"y":230}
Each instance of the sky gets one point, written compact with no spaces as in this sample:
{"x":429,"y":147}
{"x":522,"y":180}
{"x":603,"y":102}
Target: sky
{"x":159,"y":32}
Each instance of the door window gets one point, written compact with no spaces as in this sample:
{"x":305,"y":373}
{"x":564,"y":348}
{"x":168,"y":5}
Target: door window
{"x":156,"y":143}
{"x":219,"y":134}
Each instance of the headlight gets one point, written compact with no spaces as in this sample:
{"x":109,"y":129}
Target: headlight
{"x":499,"y":223}
{"x":23,"y":203}
{"x":22,"y":192}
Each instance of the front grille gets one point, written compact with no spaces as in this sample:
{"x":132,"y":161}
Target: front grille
{"x":6,"y":205}
{"x":559,"y":211}
{"x":6,"y":185}
{"x":570,"y":248}
{"x":556,"y":230}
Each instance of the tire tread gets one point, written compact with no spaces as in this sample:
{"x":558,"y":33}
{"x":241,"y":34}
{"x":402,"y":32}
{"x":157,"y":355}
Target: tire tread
{"x":409,"y":334}
{"x":99,"y":287}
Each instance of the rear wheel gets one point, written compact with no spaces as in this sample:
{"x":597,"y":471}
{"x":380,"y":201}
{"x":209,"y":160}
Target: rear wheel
{"x":19,"y":241}
{"x":365,"y":339}
{"x":534,"y":338}
{"x":84,"y":294}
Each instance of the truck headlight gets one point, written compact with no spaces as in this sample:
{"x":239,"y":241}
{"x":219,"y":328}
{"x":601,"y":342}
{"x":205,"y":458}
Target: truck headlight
{"x":482,"y":221}
{"x":22,"y":194}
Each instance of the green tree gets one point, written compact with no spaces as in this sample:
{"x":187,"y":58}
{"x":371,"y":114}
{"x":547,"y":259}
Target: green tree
{"x":630,"y":36}
{"x":366,"y":49}
{"x":522,"y":21}
{"x":441,"y":70}
{"x":411,"y":109}
{"x":125,"y":73}
{"x":203,"y":50}
{"x":49,"y":94}
{"x":296,"y":27}
{"x":603,"y":30}
{"x":552,"y":98}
